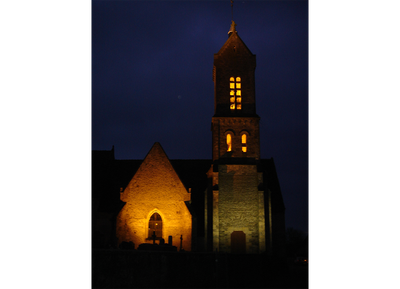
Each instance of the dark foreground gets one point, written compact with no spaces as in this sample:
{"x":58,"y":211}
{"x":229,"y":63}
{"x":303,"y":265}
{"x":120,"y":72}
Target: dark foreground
{"x":141,"y":269}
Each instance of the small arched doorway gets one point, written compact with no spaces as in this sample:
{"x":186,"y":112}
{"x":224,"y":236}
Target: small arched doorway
{"x":238,"y":242}
{"x":155,"y":225}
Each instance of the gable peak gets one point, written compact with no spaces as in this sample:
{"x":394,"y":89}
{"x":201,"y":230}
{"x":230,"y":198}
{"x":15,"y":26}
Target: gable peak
{"x":155,"y":179}
{"x":158,"y":150}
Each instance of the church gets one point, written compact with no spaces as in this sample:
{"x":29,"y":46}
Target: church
{"x":230,"y":203}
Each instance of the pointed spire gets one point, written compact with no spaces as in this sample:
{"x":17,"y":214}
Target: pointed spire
{"x":233,"y":28}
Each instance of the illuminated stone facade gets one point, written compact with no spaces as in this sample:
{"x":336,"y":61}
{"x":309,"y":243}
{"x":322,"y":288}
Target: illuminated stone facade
{"x":155,"y":188}
{"x":238,"y":206}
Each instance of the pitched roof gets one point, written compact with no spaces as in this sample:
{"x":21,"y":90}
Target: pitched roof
{"x":233,"y":40}
{"x":109,"y":175}
{"x":193,"y":173}
{"x":102,"y":184}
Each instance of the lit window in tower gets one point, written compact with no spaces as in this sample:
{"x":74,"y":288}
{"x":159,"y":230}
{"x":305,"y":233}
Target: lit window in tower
{"x":232,"y":93}
{"x":229,"y":142}
{"x":235,"y":93}
{"x":244,"y":143}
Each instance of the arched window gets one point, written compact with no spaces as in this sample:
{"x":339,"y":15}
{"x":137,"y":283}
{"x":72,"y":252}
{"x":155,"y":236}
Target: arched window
{"x":155,"y":225}
{"x":244,"y":143}
{"x":235,"y":93}
{"x":229,"y":142}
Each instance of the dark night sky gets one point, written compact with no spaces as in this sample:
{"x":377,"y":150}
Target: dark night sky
{"x":152,"y":81}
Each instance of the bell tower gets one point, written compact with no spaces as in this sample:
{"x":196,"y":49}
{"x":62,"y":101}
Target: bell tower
{"x":235,"y":204}
{"x":235,"y":124}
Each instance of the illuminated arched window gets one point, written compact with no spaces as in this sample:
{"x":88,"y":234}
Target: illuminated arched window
{"x":155,"y":225}
{"x":244,"y":143}
{"x":229,"y":142}
{"x":235,"y":93}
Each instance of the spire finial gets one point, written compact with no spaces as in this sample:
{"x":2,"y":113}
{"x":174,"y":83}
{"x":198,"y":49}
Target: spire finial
{"x":233,"y":28}
{"x":233,"y":25}
{"x":232,"y":8}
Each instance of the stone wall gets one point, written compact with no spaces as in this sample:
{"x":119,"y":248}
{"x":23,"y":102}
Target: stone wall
{"x":239,"y":207}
